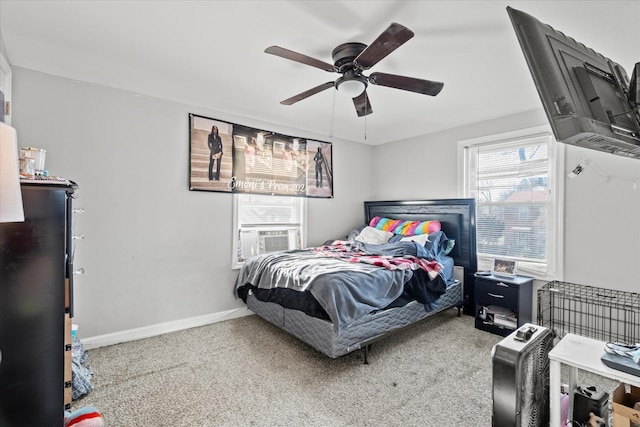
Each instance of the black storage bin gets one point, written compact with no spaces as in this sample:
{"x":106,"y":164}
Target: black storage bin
{"x":587,"y":399}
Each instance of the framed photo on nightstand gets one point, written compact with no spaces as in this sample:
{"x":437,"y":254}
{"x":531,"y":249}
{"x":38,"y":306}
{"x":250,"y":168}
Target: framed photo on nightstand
{"x":503,"y":267}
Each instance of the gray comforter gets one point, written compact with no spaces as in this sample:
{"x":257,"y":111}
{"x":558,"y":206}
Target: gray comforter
{"x":346,"y":290}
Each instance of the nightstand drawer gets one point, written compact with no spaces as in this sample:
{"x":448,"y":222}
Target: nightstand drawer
{"x":502,"y":303}
{"x":496,"y":293}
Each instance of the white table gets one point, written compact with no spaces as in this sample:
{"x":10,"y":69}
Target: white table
{"x":578,"y":353}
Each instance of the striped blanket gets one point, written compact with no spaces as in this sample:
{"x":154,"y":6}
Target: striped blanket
{"x":351,"y":252}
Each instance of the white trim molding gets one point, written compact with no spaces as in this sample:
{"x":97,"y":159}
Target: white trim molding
{"x":161,"y":328}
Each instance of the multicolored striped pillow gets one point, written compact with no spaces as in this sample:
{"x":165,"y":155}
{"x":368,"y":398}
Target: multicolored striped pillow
{"x":405,"y":228}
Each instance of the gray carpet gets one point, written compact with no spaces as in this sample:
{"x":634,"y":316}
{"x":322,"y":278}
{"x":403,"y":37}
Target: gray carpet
{"x":246,"y":372}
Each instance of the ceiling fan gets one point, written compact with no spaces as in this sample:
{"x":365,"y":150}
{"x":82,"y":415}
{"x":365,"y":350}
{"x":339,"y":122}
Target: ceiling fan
{"x":351,"y":59}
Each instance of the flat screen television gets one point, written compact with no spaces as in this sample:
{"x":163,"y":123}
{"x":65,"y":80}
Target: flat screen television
{"x":588,"y":98}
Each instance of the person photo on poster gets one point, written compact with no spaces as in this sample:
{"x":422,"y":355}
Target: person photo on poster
{"x":319,"y":159}
{"x":209,"y":146}
{"x":215,"y":146}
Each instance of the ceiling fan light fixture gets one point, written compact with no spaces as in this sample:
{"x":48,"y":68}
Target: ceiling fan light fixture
{"x":351,"y":87}
{"x":351,"y":59}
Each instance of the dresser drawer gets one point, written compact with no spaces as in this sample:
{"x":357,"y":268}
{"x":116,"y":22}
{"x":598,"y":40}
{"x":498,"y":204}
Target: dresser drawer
{"x":490,"y":292}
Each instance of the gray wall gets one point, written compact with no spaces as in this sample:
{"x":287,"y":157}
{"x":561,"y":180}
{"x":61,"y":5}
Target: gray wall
{"x":154,"y":251}
{"x":601,"y":213}
{"x":602,"y":221}
{"x":430,"y":162}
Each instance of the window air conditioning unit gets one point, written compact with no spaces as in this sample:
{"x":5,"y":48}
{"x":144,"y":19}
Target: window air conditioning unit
{"x":259,"y":241}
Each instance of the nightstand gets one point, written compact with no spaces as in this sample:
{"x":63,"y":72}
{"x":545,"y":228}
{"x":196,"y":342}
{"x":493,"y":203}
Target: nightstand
{"x":502,"y":303}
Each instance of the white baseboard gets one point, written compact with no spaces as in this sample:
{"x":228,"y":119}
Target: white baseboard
{"x":161,"y":328}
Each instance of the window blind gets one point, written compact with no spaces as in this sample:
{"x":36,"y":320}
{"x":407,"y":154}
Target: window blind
{"x":261,"y":210}
{"x":512,"y":182}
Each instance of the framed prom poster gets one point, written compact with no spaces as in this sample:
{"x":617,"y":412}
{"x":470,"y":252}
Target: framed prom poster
{"x":232,"y":158}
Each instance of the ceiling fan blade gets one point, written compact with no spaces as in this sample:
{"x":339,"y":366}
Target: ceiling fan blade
{"x":307,"y":93}
{"x":391,"y":39}
{"x":298,"y":57}
{"x":362,"y":104}
{"x":426,"y":87}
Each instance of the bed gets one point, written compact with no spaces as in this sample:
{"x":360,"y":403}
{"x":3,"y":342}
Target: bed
{"x":348,"y":293}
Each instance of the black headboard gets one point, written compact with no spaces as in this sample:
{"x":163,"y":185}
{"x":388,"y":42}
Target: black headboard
{"x":458,"y":219}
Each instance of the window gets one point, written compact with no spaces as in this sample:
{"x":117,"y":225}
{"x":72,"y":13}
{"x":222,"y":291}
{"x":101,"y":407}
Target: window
{"x":264,"y":223}
{"x":5,"y":87}
{"x":514,"y":181}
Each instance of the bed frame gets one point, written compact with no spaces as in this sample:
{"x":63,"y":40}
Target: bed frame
{"x":457,"y":217}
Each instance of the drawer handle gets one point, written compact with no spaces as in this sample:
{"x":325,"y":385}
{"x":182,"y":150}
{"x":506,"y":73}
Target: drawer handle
{"x":502,"y":284}
{"x":79,"y":271}
{"x":495,"y":295}
{"x":79,"y":211}
{"x":78,"y":237}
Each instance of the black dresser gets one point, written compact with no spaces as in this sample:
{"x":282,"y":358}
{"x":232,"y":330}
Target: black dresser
{"x":36,"y":305}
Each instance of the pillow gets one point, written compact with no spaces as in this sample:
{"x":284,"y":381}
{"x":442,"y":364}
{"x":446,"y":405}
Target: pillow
{"x":438,"y":244}
{"x":450,"y":244}
{"x":396,"y":238}
{"x":420,"y":239}
{"x":405,"y":228}
{"x":354,"y":233}
{"x":386,"y":224}
{"x":373,"y":235}
{"x":411,"y":228}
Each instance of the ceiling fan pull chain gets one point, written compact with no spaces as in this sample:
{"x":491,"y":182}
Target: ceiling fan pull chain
{"x":366,"y":107}
{"x":333,"y":111}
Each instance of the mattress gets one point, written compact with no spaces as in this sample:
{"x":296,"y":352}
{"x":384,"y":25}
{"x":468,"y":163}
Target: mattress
{"x":321,"y":334}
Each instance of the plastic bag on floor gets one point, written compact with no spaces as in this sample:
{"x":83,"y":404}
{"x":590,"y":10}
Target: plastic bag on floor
{"x":80,"y":370}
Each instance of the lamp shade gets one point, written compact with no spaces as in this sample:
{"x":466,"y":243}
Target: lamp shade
{"x":10,"y":194}
{"x":352,"y":88}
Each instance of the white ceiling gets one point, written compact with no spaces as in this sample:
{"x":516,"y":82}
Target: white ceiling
{"x":211,"y":54}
